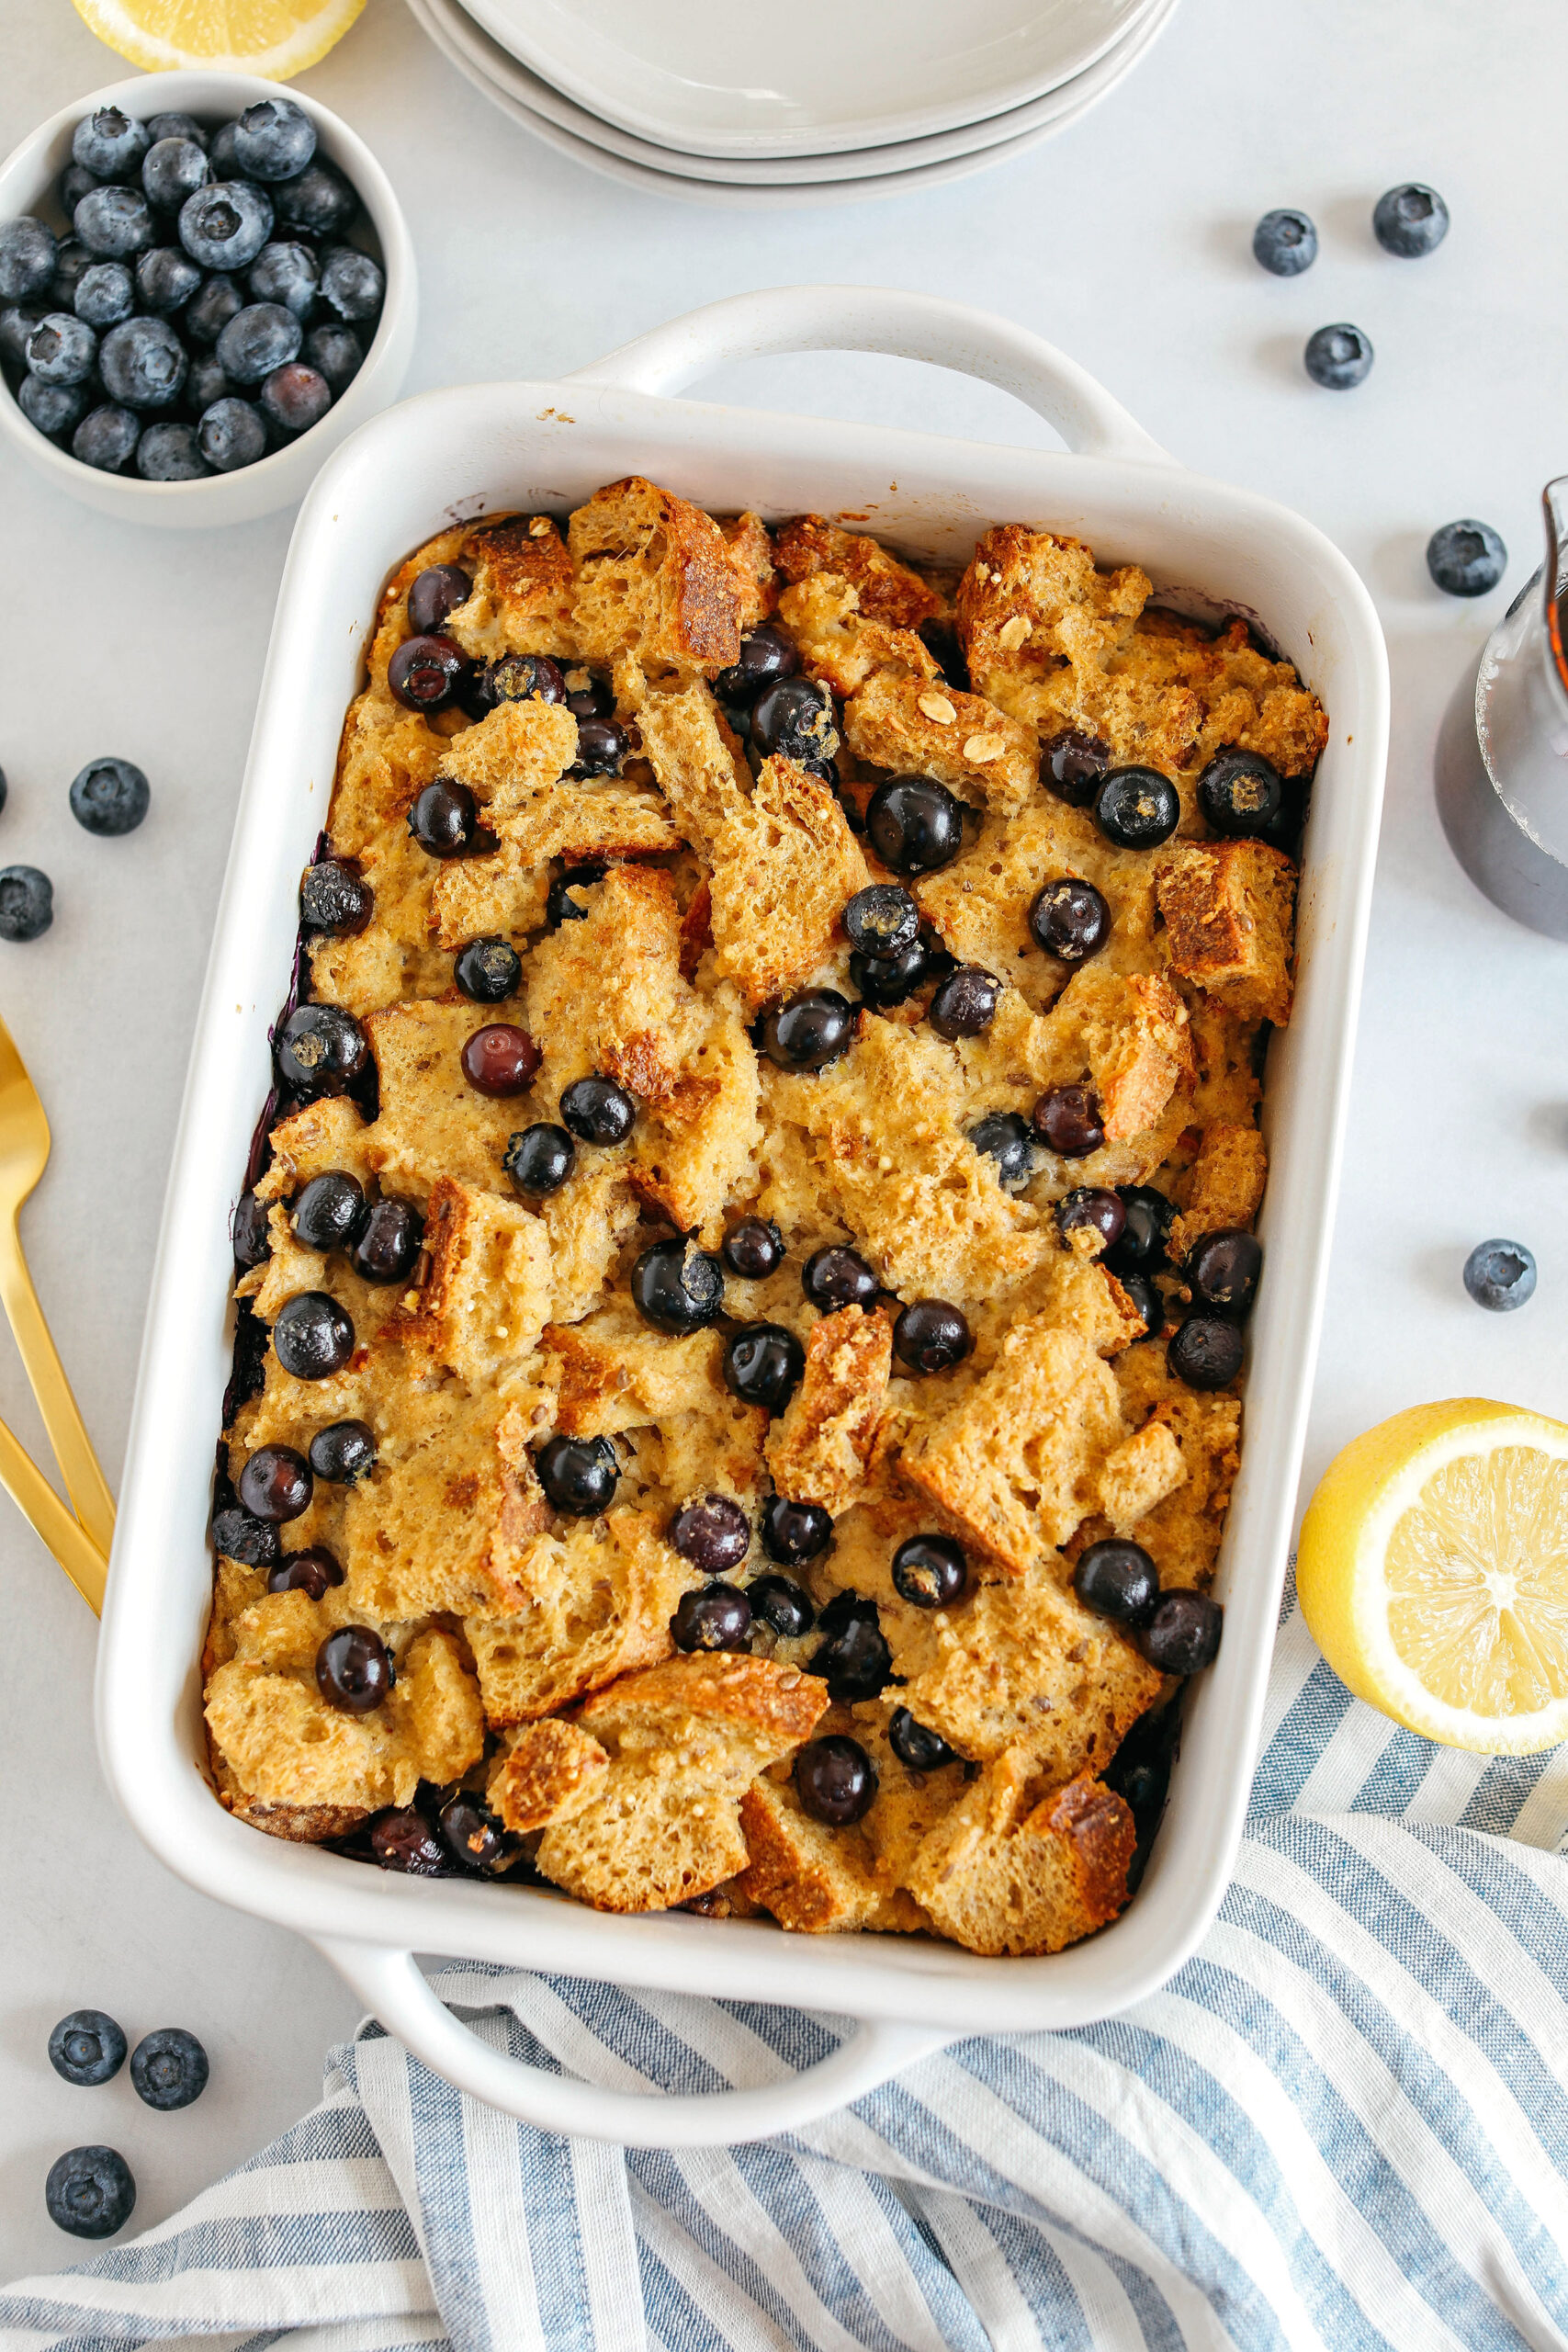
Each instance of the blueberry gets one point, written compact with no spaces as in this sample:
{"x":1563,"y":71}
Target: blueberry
{"x":931,"y":1571}
{"x":331,"y":1213}
{"x":169,"y":2068}
{"x":343,"y":1452}
{"x":601,"y":747}
{"x":579,"y":1475}
{"x":1497,"y":1275}
{"x":500,"y":1059}
{"x":422,"y":674}
{"x":320,"y":1049}
{"x":274,"y":140}
{"x":165,"y":279}
{"x":172,"y":169}
{"x":1206,"y":1352}
{"x":104,"y":293}
{"x":62,"y":349}
{"x":445,"y":818}
{"x":225,"y":226}
{"x":1140,"y":1248}
{"x":676,"y":1286}
{"x":90,"y":2192}
{"x":475,"y":1838}
{"x":1222,"y":1269}
{"x":114,"y":221}
{"x":312,"y":1338}
{"x":597,"y":1111}
{"x":171,"y":453}
{"x":53,"y":409}
{"x":763,"y":1365}
{"x":1137,"y":807}
{"x":1466,"y":559}
{"x":262,"y":336}
{"x":1183,"y":1634}
{"x":914,"y":824}
{"x":15,"y":326}
{"x":27,"y":259}
{"x":144,"y":364}
{"x":208,"y":313}
{"x":715,"y":1535}
{"x":753,"y":1248}
{"x":275,"y":1483}
{"x":884,"y":980}
{"x":221,"y":153}
{"x":352,"y":284}
{"x":335,"y":353}
{"x":71,"y":261}
{"x":540,"y":1159}
{"x":1117,"y":1579}
{"x":403,"y":1840}
{"x":835,"y":1780}
{"x":26,"y":902}
{"x":433,"y":593}
{"x":1095,"y":1210}
{"x":75,"y":182}
{"x":915,"y":1747}
{"x":312,"y":1572}
{"x":295,"y":397}
{"x":250,"y":1232}
{"x":1003,"y":1137}
{"x":882,"y":920}
{"x":837,"y":1277}
{"x":86,"y":2048}
{"x":487,"y":970}
{"x":809,"y":1030}
{"x":110,"y":143}
{"x":1410,"y":220}
{"x":233,"y":433}
{"x":793,"y":1533}
{"x":716,"y":1618}
{"x":779,"y":1603}
{"x":766,"y":656}
{"x":562,"y":901}
{"x":1241,"y":793}
{"x":854,"y":1660}
{"x":255,"y":1543}
{"x":176,"y":126}
{"x":1338,"y":357}
{"x":1285,"y":242}
{"x":1069,"y":1122}
{"x":1148,"y":1301}
{"x":391,"y":1241}
{"x":1073,"y":765}
{"x":794,"y":720}
{"x":523,"y":677}
{"x":335,"y":899}
{"x":354,"y":1670}
{"x":931,"y":1336}
{"x":1071,"y":920}
{"x":318,"y":200}
{"x":965,"y":1004}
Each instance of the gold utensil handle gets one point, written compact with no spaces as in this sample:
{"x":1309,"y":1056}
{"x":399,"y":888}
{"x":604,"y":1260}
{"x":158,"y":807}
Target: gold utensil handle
{"x":85,"y":1483}
{"x":53,"y":1523}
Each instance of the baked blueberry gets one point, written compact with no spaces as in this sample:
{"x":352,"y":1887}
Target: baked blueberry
{"x":1071,"y":920}
{"x":1466,"y":559}
{"x":1073,"y":765}
{"x":312,"y":1572}
{"x":403,"y":1840}
{"x":170,"y":452}
{"x":26,"y":902}
{"x":51,"y":409}
{"x":433,"y":593}
{"x":86,"y":2048}
{"x":1222,"y":1270}
{"x":931,"y":1336}
{"x":809,"y":1030}
{"x":334,"y":898}
{"x":794,"y":719}
{"x":594,"y":700}
{"x":256,"y":340}
{"x":1069,"y":1122}
{"x":598,"y":1111}
{"x":965,"y":1004}
{"x":110,"y":143}
{"x":881,"y":920}
{"x":500,"y":1059}
{"x":354,"y":1671}
{"x":90,"y":2191}
{"x":343,"y":1451}
{"x":1500,"y":1275}
{"x":104,"y":294}
{"x":226,"y":225}
{"x":1206,"y":1352}
{"x":1004,"y":1137}
{"x":1338,"y":357}
{"x":27,"y":259}
{"x":1285,"y":242}
{"x":475,"y":1838}
{"x":716,"y":1618}
{"x":1117,"y":1579}
{"x":62,"y":349}
{"x":336,"y":353}
{"x":255,"y":1543}
{"x":562,"y":903}
{"x":1092,"y":1209}
{"x":766,"y":656}
{"x":1183,"y":1634}
{"x":884,"y":980}
{"x":232,"y":432}
{"x":391,"y":1241}
{"x":579,"y":1475}
{"x":114,"y":221}
{"x":294,"y":396}
{"x":169,"y":2069}
{"x":931,"y":1571}
{"x":250,"y":1233}
{"x":540,"y":1159}
{"x":793,"y":1533}
{"x":107,"y":438}
{"x":837,"y":1277}
{"x":763,"y":1365}
{"x":941,"y":641}
{"x":487,"y":970}
{"x":1410,"y":220}
{"x":677,"y":1287}
{"x":601,"y":747}
{"x":274,"y":140}
{"x":144,"y":364}
{"x":275,"y":1483}
{"x":1148,"y":1301}
{"x":209,"y":311}
{"x":321,"y":1049}
{"x":318,"y":200}
{"x":835,"y":1780}
{"x":714,"y":1534}
{"x":854,"y":1660}
{"x":445,"y":816}
{"x":352,"y":284}
{"x":779,"y":1603}
{"x":1241,"y":793}
{"x":915,"y":1745}
{"x":753,"y":1248}
{"x":172,"y":169}
{"x":330,"y":1212}
{"x":312,"y":1338}
{"x":1141,"y":1248}
{"x":914,"y":824}
{"x":523,"y":677}
{"x":1137,"y":807}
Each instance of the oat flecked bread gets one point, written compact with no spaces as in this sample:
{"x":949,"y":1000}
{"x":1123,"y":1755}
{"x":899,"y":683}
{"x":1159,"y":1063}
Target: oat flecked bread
{"x":624,"y":1233}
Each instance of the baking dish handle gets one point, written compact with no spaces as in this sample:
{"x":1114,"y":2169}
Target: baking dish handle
{"x":886,"y":319}
{"x":394,"y":1988}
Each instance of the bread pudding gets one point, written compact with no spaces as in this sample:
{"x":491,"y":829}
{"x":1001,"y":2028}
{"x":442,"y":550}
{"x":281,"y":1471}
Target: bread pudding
{"x":742,"y":1279}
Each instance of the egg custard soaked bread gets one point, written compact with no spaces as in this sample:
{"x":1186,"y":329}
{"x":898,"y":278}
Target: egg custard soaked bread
{"x":738,"y":1379}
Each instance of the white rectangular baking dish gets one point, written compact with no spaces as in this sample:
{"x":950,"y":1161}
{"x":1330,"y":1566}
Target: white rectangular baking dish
{"x":490,"y":447}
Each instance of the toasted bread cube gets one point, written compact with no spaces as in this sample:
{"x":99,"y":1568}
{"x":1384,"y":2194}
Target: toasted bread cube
{"x":597,"y":1606}
{"x":656,"y":576}
{"x":750,"y":544}
{"x":697,"y":757}
{"x":1183,"y":1534}
{"x":1225,"y":1186}
{"x":699,"y":1141}
{"x":318,"y":1136}
{"x":489,"y":1294}
{"x":514,"y":752}
{"x":548,"y":1771}
{"x":814,"y":1880}
{"x":913,"y":728}
{"x":1128,"y":1033}
{"x":1247,"y":701}
{"x":444,"y":1522}
{"x":841,"y":645}
{"x":523,"y":591}
{"x":363,"y":972}
{"x":587,"y":1221}
{"x":432,"y":1122}
{"x":617,"y":1373}
{"x":821,"y":1443}
{"x":1032,"y":600}
{"x":1001,"y":1874}
{"x":605,"y":995}
{"x":1138,"y":1473}
{"x":888,"y":589}
{"x":1227,"y":909}
{"x":387,"y":757}
{"x":783,"y":868}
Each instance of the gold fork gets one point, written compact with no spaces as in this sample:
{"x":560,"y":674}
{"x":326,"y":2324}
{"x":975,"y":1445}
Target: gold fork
{"x":24,"y":1154}
{"x":64,"y":1536}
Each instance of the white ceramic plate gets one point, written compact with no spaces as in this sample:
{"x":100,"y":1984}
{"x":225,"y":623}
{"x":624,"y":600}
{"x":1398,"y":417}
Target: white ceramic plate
{"x":739,"y":78}
{"x":498,"y":66}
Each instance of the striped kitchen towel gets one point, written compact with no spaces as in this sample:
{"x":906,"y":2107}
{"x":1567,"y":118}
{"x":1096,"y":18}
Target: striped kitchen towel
{"x":1342,"y":2127}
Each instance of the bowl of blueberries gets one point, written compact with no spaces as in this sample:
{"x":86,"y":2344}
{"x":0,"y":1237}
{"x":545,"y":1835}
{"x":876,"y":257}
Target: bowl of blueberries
{"x":205,"y":284}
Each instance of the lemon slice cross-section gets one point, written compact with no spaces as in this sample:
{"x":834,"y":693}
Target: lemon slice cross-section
{"x":1433,"y":1573}
{"x":275,"y":39}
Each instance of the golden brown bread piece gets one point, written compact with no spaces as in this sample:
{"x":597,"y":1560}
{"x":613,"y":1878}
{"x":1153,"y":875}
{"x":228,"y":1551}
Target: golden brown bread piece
{"x":655,"y":575}
{"x":487,"y":1294}
{"x":1225,"y":1187}
{"x":1003,"y":1874}
{"x":912,"y":726}
{"x":545,"y":1772}
{"x":821,"y":1442}
{"x":784,"y":865}
{"x":841,"y":644}
{"x":1227,"y":909}
{"x":888,"y":589}
{"x":596,"y":1602}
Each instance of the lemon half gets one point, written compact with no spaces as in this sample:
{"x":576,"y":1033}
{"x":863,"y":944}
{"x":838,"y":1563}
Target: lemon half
{"x":275,"y":39}
{"x":1433,"y":1573}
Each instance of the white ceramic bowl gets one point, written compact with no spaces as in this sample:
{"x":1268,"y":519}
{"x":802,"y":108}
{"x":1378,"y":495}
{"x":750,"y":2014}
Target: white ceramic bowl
{"x":29,"y":178}
{"x":497,"y":446}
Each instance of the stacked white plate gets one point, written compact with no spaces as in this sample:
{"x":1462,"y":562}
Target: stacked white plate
{"x":735,"y":102}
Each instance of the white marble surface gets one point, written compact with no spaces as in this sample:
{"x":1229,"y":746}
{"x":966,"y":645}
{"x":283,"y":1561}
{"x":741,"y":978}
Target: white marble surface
{"x":1126,"y":241}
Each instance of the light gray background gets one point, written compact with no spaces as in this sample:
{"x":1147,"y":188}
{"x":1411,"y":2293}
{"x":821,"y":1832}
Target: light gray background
{"x":1127,"y":242}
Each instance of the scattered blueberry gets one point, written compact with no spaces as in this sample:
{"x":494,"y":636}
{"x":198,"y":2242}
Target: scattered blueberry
{"x":86,"y":2048}
{"x":931,"y":1336}
{"x":915,"y":1747}
{"x":206,"y":384}
{"x":965,"y":1004}
{"x":343,"y":1452}
{"x":931,"y":1571}
{"x":1068,"y":1121}
{"x":716,"y":1618}
{"x":676,"y":1286}
{"x":250,"y":1232}
{"x":352,"y":284}
{"x":104,"y":293}
{"x":51,"y":409}
{"x":75,"y":182}
{"x":171,"y":453}
{"x":794,"y":719}
{"x":1148,"y":1301}
{"x":90,"y":2192}
{"x":232,"y":432}
{"x":255,"y":1543}
{"x":1074,"y":763}
{"x":1466,"y":559}
{"x":172,"y":169}
{"x":26,"y":902}
{"x":1117,"y":1579}
{"x":436,"y":591}
{"x":809,"y":1030}
{"x":475,"y":1838}
{"x":331,"y":1213}
{"x":27,"y":259}
{"x":763,"y":1365}
{"x":335,"y":353}
{"x":312,"y":1572}
{"x":110,"y":144}
{"x":393,"y":1236}
{"x":225,"y":226}
{"x":884,"y":980}
{"x":114,"y":221}
{"x":835,"y":1779}
{"x":1497,"y":1275}
{"x":1137,"y":807}
{"x":854,"y":1660}
{"x":72,"y":260}
{"x":793,"y":1533}
{"x":209,"y":311}
{"x":1410,"y":220}
{"x":15,"y":326}
{"x":1005,"y":1138}
{"x":144,"y":364}
{"x":715,"y":1535}
{"x":1093,"y":1209}
{"x":597,"y":1111}
{"x":1241,"y":793}
{"x":1183,"y":1634}
{"x":320,"y":1049}
{"x":595,"y":700}
{"x":62,"y":349}
{"x":1140,"y":1248}
{"x":312,"y":1338}
{"x":165,"y":279}
{"x":601,"y":747}
{"x":1071,"y":920}
{"x":318,"y":200}
{"x":221,"y":153}
{"x":274,"y":140}
{"x":422,"y":674}
{"x":523,"y":677}
{"x":500,"y":1059}
{"x":882,"y":920}
{"x":779,"y":1603}
{"x":1222,"y":1269}
{"x":1206,"y":1352}
{"x":403,"y":1840}
{"x":1338,"y":357}
{"x":837,"y":1277}
{"x":579,"y":1475}
{"x":915,"y":825}
{"x":275,"y":1483}
{"x":488,"y":970}
{"x":354,"y":1670}
{"x":766,"y":656}
{"x":540,"y":1159}
{"x":295,"y":397}
{"x":1285,"y":242}
{"x":335,"y":899}
{"x":753,"y":1248}
{"x":169,"y":2068}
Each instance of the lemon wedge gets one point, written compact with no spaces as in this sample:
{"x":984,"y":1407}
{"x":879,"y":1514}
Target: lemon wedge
{"x":1433,"y":1573}
{"x":275,"y":39}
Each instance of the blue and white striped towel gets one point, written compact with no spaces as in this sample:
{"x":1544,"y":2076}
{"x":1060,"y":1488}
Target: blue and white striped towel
{"x":1342,"y":2127}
